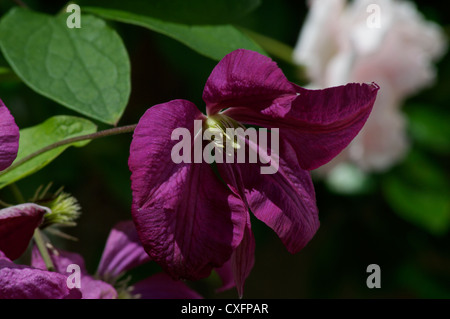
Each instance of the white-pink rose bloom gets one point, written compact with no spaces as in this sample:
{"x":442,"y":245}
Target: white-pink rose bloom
{"x":384,"y":41}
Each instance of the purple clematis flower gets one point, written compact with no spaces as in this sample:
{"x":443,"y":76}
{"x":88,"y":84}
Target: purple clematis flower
{"x":17,"y":225}
{"x":9,"y":137}
{"x":188,"y":220}
{"x":25,"y":282}
{"x":90,"y":287}
{"x":122,"y":252}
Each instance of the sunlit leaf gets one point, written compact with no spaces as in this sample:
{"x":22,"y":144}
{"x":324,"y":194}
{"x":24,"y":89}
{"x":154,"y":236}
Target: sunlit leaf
{"x":37,"y":137}
{"x":85,"y":69}
{"x":182,"y":11}
{"x":213,"y":41}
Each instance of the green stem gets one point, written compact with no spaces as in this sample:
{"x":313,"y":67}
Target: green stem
{"x":5,"y":204}
{"x":109,"y":132}
{"x":272,"y":46}
{"x":40,"y":243}
{"x":17,"y":194}
{"x":277,"y":49}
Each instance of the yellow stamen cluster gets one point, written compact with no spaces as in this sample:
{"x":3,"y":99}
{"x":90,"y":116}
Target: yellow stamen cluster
{"x":217,"y":124}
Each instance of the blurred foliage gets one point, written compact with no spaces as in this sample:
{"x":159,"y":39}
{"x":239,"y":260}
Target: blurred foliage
{"x":399,"y":222}
{"x":193,"y":12}
{"x":213,"y":41}
{"x":420,"y":193}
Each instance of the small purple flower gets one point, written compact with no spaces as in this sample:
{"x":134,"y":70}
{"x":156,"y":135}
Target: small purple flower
{"x":24,"y":282}
{"x":188,"y":220}
{"x":17,"y":225}
{"x":9,"y":137}
{"x":122,"y":252}
{"x":90,"y":287}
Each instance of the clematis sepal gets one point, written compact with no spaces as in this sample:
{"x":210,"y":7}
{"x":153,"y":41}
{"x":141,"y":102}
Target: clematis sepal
{"x":9,"y":137}
{"x":17,"y":225}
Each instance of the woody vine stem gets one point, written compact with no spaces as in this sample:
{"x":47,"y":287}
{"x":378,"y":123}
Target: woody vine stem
{"x":104,"y":133}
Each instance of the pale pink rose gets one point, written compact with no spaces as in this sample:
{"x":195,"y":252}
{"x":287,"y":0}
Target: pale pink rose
{"x":384,"y":41}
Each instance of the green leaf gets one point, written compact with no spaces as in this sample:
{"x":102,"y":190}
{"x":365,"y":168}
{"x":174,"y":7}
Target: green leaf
{"x":181,"y":11}
{"x":212,"y":41}
{"x":32,"y":139}
{"x":85,"y":69}
{"x":429,"y":126}
{"x":419,"y":192}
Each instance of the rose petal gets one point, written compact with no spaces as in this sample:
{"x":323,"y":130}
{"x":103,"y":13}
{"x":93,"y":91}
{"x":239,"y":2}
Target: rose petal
{"x":9,"y":137}
{"x":91,"y":288}
{"x":162,"y":286}
{"x":320,"y":123}
{"x":246,"y":78}
{"x":123,"y":251}
{"x":23,"y":282}
{"x":17,"y":225}
{"x":187,"y":220}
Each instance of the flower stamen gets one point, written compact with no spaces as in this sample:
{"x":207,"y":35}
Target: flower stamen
{"x":218,"y":124}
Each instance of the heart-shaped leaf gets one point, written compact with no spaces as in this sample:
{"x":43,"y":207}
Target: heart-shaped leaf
{"x":85,"y":69}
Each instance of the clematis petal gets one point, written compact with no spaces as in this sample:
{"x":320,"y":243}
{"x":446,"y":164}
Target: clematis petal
{"x":320,"y":123}
{"x":9,"y":137}
{"x":243,"y":259}
{"x":285,"y":200}
{"x":123,"y":251}
{"x":225,"y":273}
{"x":162,"y":286}
{"x":60,"y":258}
{"x":187,"y":220}
{"x":96,"y":289}
{"x":23,"y":282}
{"x":17,"y":225}
{"x":246,"y":78}
{"x":90,"y":287}
{"x":236,"y":270}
